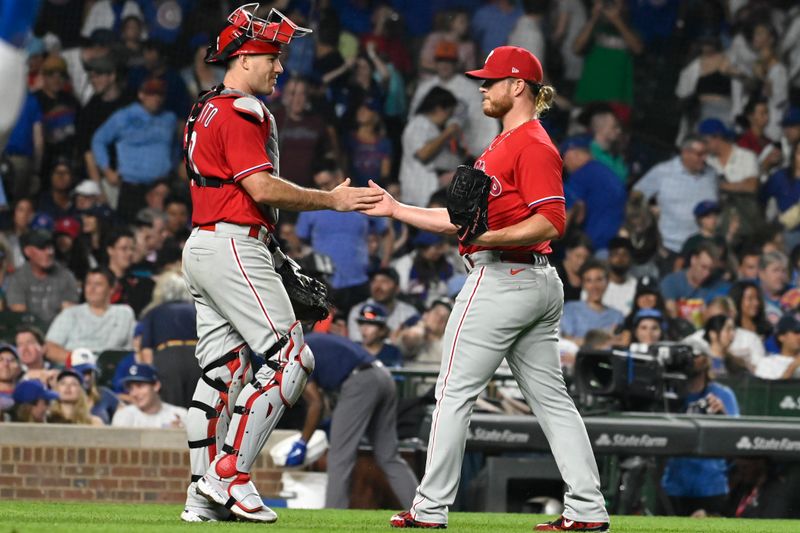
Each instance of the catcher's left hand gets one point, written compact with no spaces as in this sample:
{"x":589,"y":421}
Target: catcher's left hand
{"x":468,"y":202}
{"x":309,"y":297}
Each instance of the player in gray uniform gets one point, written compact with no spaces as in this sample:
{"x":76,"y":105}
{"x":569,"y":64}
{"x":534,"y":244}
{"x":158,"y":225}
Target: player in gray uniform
{"x":230,"y":269}
{"x":511,"y":303}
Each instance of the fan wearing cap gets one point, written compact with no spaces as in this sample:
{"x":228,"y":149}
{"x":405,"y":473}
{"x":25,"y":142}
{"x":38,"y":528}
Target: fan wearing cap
{"x":143,"y":134}
{"x":424,"y":271}
{"x":374,"y":332}
{"x":102,"y":401}
{"x":32,"y":402}
{"x":384,"y":288}
{"x":786,"y":364}
{"x":511,"y":302}
{"x":59,"y":111}
{"x":42,"y":286}
{"x":706,"y":213}
{"x":72,"y":406}
{"x":478,"y":128}
{"x":596,"y":197}
{"x":146,"y":409}
{"x":739,"y":171}
{"x":231,"y":157}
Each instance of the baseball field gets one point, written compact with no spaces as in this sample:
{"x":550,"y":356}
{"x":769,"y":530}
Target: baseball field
{"x":24,"y":517}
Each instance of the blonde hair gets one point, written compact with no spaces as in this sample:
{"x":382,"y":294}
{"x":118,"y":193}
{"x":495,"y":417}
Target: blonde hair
{"x":81,"y":414}
{"x":543,"y":100}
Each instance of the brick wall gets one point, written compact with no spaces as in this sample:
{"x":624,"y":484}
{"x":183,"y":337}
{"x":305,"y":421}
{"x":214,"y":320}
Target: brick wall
{"x":39,"y":461}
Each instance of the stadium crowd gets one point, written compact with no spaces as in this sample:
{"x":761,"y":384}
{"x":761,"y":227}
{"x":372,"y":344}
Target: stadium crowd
{"x":678,"y":122}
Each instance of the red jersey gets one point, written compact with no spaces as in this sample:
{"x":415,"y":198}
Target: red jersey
{"x":227,"y":144}
{"x":525,"y":169}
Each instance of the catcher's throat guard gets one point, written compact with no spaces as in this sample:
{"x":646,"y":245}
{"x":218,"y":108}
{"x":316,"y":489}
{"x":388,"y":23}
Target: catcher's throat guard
{"x":248,"y":33}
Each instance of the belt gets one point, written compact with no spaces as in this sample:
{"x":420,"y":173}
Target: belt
{"x":366,"y":366}
{"x":495,"y":256}
{"x":170,"y":344}
{"x":255,"y":231}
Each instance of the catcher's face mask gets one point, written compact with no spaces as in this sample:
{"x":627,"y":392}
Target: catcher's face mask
{"x":250,"y":34}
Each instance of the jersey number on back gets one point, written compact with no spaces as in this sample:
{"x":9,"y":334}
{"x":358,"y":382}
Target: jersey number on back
{"x":205,"y":117}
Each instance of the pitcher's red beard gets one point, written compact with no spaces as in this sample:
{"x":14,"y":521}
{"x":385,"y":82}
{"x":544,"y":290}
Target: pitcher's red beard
{"x":498,"y":107}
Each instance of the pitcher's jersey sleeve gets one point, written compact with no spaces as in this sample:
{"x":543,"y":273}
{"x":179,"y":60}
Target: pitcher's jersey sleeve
{"x":538,"y":174}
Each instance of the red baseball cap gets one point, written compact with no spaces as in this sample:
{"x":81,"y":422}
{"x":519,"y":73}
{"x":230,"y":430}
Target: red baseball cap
{"x":509,"y":62}
{"x":67,"y":226}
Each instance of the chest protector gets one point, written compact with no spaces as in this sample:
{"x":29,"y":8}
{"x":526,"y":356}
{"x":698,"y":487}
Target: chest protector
{"x":248,"y":105}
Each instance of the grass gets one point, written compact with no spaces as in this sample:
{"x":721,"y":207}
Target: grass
{"x":63,"y":517}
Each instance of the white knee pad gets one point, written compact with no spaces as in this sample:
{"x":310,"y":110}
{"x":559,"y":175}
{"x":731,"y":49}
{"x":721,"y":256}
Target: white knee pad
{"x":212,"y":406}
{"x":276,"y":386}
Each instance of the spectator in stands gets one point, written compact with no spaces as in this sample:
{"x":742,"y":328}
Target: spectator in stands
{"x":754,"y":119}
{"x":648,"y":326}
{"x":706,"y":213}
{"x":786,"y":364}
{"x":177,"y":211}
{"x":427,"y":135}
{"x":99,"y":44}
{"x":421,"y":339}
{"x":705,"y":84}
{"x":10,"y":373}
{"x":72,"y":406}
{"x":168,"y":337}
{"x":25,"y":149}
{"x":59,"y":110}
{"x":784,"y":187}
{"x":108,"y":98}
{"x":374,"y":333}
{"x":671,"y":183}
{"x":478,"y":130}
{"x":366,"y":406}
{"x":773,"y":276}
{"x":42,"y":286}
{"x":609,"y":45}
{"x":30,"y":346}
{"x":641,"y":228}
{"x":384,"y":288}
{"x":144,"y":136}
{"x":368,"y":149}
{"x":492,"y":23}
{"x":738,"y":170}
{"x":719,"y":332}
{"x":56,"y":201}
{"x":700,"y":483}
{"x":750,"y":309}
{"x":304,"y":135}
{"x":749,"y":258}
{"x":343,"y":237}
{"x":425,"y":271}
{"x":621,"y":288}
{"x":455,"y":29}
{"x":23,"y":213}
{"x":595,"y":195}
{"x":102,"y":402}
{"x":200,"y":76}
{"x":687,"y":291}
{"x":155,"y":66}
{"x":70,"y":250}
{"x":580,"y":316}
{"x":146,"y":409}
{"x":156,"y":196}
{"x":32,"y":402}
{"x":97,"y":324}
{"x":648,"y":297}
{"x":108,"y":15}
{"x":607,"y":137}
{"x":528,"y":32}
{"x":771,"y":74}
{"x":576,"y":251}
{"x":791,"y":133}
{"x":87,"y":196}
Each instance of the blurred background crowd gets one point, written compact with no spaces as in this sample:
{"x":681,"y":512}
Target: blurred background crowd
{"x":678,"y":122}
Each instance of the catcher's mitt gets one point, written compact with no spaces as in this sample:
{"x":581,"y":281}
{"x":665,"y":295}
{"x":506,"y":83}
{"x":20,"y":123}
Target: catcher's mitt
{"x":309,"y":296}
{"x":468,"y":202}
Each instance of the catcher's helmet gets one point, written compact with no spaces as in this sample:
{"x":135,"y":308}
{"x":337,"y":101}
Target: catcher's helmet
{"x":249,"y":34}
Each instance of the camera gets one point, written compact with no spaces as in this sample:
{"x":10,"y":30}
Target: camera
{"x":641,"y":378}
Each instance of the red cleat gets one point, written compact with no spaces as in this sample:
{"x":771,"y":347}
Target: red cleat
{"x":405,"y":519}
{"x":565,"y":524}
